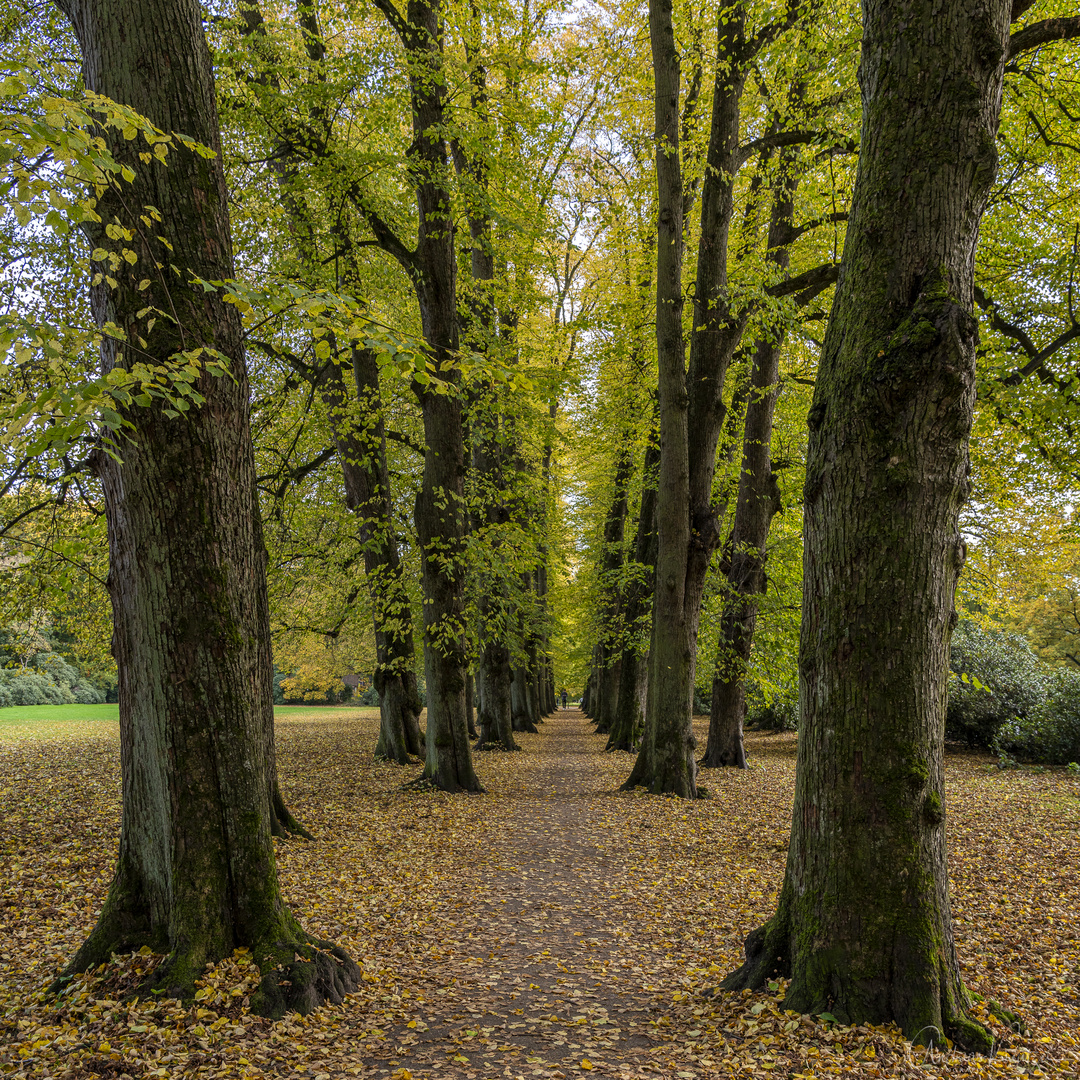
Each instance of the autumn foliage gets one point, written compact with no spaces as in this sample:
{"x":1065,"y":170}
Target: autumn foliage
{"x":551,"y":927}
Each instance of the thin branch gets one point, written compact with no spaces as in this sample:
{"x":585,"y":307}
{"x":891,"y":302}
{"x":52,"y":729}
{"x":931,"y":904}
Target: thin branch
{"x":827,"y":219}
{"x":1038,"y":358}
{"x":61,"y":556}
{"x":25,"y":514}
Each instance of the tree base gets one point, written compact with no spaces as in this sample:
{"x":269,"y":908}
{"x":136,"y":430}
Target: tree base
{"x":821,"y":988}
{"x":723,"y":761}
{"x":495,"y":745}
{"x":282,"y":822}
{"x":297,"y":975}
{"x":299,"y":978}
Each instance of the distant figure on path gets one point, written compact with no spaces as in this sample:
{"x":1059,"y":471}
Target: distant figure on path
{"x":564,"y":698}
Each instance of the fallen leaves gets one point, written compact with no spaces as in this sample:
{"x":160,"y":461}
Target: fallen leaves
{"x":551,"y":927}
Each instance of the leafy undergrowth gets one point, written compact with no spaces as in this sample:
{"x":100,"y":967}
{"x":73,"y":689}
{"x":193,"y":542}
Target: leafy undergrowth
{"x":552,"y":927}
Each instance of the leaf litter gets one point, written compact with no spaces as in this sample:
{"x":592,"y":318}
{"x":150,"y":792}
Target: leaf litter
{"x":551,"y":927}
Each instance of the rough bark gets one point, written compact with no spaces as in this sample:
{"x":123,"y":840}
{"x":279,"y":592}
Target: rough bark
{"x":611,"y":561}
{"x":359,"y":436}
{"x":690,"y":398}
{"x":629,"y":714}
{"x":757,"y":502}
{"x":440,"y":513}
{"x":360,"y":439}
{"x":522,"y":715}
{"x":195,"y":874}
{"x":496,"y":726}
{"x":863,"y":924}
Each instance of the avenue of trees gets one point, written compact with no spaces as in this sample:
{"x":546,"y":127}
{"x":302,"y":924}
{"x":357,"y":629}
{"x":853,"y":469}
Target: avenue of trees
{"x":680,"y":356}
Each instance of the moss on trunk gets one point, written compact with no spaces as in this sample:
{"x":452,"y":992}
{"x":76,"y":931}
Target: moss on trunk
{"x":863,"y":925}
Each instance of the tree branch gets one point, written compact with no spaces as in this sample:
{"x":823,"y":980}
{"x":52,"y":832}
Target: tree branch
{"x":1038,"y":358}
{"x":394,"y":18}
{"x":771,"y":31}
{"x":826,"y":219}
{"x":775,"y":139}
{"x":1041,"y":33}
{"x":809,"y":282}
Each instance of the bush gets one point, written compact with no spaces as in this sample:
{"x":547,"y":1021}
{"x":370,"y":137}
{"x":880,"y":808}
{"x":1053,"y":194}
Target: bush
{"x":996,"y":679}
{"x":779,"y":713}
{"x":86,"y":693}
{"x":702,"y":701}
{"x":1051,"y":734}
{"x":28,"y":687}
{"x":369,"y":697}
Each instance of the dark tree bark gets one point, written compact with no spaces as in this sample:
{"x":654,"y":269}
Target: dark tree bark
{"x":470,"y":715}
{"x":690,"y":397}
{"x":440,"y":510}
{"x":611,"y":561}
{"x":195,"y":875}
{"x":359,"y":437}
{"x":757,"y":502}
{"x":361,"y":447}
{"x":863,"y":925}
{"x":629,"y":717}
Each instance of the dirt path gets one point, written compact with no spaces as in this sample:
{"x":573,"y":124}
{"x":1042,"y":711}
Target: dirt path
{"x":559,"y":991}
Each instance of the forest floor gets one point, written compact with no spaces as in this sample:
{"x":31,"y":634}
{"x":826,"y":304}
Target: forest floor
{"x":551,"y":927}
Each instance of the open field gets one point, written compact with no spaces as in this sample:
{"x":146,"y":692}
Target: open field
{"x":49,"y":721}
{"x":551,"y":927}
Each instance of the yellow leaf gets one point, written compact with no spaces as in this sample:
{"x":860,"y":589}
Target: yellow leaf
{"x":586,"y":1063}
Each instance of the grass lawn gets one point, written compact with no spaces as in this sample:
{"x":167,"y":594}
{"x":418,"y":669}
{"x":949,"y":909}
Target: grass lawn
{"x":51,"y":721}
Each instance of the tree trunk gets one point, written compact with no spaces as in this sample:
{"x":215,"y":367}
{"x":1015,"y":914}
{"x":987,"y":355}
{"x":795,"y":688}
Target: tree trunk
{"x":691,"y":400}
{"x":521,"y":713}
{"x":863,"y":924}
{"x":361,"y":448}
{"x":611,"y":561}
{"x":758,"y":501}
{"x":440,"y":521}
{"x":629,"y":717}
{"x":470,"y":716}
{"x":195,"y":874}
{"x":496,"y":725}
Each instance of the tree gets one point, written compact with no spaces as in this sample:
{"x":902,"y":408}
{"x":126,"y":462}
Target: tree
{"x":195,"y":873}
{"x":862,"y":925}
{"x":357,"y":422}
{"x":691,"y":395}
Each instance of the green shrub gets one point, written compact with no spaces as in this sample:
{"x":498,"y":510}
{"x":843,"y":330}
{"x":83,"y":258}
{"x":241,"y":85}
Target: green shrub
{"x":1051,"y":733}
{"x":29,"y":687}
{"x":778,"y":712}
{"x":996,"y":679}
{"x":86,"y":693}
{"x":369,"y":697}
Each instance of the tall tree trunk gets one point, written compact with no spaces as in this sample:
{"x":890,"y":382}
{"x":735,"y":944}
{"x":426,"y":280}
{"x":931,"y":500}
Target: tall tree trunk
{"x":691,"y":401}
{"x":440,"y":519}
{"x":361,"y":448}
{"x":495,"y":714}
{"x":629,"y":718}
{"x":611,"y":561}
{"x":195,"y":873}
{"x":863,"y":925}
{"x":758,"y":501}
{"x":360,"y":443}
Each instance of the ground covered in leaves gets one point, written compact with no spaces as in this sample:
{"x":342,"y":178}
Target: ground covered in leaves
{"x":552,"y":927}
